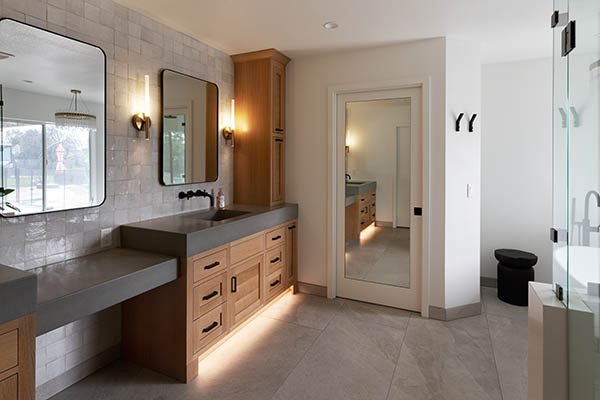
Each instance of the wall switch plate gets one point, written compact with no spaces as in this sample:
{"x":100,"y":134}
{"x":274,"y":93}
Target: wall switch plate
{"x":106,"y":237}
{"x":469,"y":190}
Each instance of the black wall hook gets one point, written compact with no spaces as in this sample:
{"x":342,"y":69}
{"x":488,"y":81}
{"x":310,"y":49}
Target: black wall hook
{"x":472,"y":122}
{"x":457,"y":128}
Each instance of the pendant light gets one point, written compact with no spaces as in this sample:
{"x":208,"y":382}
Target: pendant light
{"x":73,"y":117}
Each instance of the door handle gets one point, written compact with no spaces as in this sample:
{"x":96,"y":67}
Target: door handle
{"x":418,"y":211}
{"x":234,"y":284}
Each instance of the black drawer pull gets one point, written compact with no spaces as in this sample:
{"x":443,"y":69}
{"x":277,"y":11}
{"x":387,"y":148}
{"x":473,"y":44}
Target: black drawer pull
{"x":273,"y":261}
{"x":275,"y":283}
{"x":292,"y":227}
{"x":278,"y":130}
{"x":233,"y":284}
{"x":362,"y":199}
{"x":276,"y":237}
{"x":362,"y":223}
{"x":279,"y":140}
{"x":210,"y":327}
{"x":211,"y":266}
{"x":210,"y":296}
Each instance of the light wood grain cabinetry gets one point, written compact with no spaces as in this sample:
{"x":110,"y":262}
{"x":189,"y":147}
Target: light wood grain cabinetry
{"x":360,"y":214}
{"x":17,"y":359}
{"x":167,"y":329}
{"x":259,"y":154}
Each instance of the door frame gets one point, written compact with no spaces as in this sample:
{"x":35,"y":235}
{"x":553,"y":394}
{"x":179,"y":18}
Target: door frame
{"x":336,"y":215}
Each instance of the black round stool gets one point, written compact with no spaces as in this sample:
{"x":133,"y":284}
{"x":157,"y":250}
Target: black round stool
{"x":515,"y":270}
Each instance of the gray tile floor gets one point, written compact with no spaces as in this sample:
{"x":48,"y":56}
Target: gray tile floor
{"x":381,"y":255}
{"x":307,"y":347}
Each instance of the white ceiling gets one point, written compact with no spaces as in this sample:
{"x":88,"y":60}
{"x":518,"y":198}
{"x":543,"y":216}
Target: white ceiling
{"x":507,"y":29}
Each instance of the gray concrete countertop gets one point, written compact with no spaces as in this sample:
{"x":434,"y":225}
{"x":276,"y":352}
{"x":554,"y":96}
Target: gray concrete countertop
{"x":184,"y":235}
{"x":354,"y":189}
{"x":70,"y":290}
{"x":350,"y":200}
{"x":18,"y":293}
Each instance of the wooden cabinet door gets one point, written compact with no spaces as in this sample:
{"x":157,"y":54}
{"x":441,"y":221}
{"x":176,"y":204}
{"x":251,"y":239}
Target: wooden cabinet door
{"x":9,"y":388}
{"x":277,"y":170}
{"x":278,"y":98}
{"x":246,"y":288}
{"x":291,"y":256}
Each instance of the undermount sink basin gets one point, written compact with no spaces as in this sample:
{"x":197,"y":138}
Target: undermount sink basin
{"x":218,"y":215}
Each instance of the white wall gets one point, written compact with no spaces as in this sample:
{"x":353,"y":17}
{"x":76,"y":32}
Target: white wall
{"x":516,"y":154}
{"x":463,"y":167}
{"x":371,"y":127}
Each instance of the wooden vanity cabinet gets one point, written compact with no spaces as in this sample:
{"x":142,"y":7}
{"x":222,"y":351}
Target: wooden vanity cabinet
{"x":360,"y":214}
{"x":168,"y":328}
{"x":259,"y":152}
{"x":17,"y":359}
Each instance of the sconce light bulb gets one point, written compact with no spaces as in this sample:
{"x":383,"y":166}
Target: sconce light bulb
{"x":146,"y":94}
{"x":232,"y":114}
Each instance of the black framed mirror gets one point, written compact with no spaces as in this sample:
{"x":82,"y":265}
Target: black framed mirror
{"x":53,"y":118}
{"x":190,"y":146}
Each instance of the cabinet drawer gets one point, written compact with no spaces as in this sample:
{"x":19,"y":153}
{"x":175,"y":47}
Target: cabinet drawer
{"x":209,"y":294}
{"x":209,"y":265}
{"x":274,"y":283}
{"x":209,"y":327}
{"x":9,"y":345}
{"x":241,"y":250}
{"x":364,"y":200}
{"x":275,"y":259}
{"x":275,"y":237}
{"x":9,"y":388}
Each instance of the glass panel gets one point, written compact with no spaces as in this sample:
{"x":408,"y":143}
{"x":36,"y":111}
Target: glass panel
{"x":378,"y":191}
{"x":560,"y":149}
{"x":584,"y":200}
{"x":23,"y":167}
{"x":67,"y":167}
{"x":174,"y":149}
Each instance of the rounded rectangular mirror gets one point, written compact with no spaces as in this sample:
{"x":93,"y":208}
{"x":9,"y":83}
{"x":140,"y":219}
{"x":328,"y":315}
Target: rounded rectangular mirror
{"x":52,"y":121}
{"x":190,"y":129}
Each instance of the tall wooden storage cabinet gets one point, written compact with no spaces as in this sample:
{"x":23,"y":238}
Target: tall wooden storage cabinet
{"x":259,"y":153}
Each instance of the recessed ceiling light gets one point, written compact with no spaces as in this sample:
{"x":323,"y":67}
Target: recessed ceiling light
{"x":330,"y":25}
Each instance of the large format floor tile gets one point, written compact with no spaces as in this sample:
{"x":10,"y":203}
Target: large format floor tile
{"x":304,"y":310}
{"x":350,"y":360}
{"x":254,"y":363}
{"x":306,"y":347}
{"x":446,"y":361}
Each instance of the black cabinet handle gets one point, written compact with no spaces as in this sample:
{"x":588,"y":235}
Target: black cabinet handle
{"x":362,"y":223}
{"x":273,"y":261}
{"x":234,"y":284}
{"x":278,"y":130}
{"x":276,"y":237}
{"x":210,"y":296}
{"x":210,"y":327}
{"x":274,"y":283}
{"x":362,"y":199}
{"x":292,"y":227}
{"x":279,"y":140}
{"x":211,"y":266}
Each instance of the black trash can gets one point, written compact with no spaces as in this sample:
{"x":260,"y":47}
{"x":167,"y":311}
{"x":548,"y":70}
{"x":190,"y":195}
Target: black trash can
{"x":515,"y":270}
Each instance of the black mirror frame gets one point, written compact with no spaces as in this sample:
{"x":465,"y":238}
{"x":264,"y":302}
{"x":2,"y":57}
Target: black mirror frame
{"x":104,"y":133}
{"x":162,"y":131}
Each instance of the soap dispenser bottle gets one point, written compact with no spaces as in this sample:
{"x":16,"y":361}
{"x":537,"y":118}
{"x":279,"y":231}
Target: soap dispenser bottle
{"x":220,"y":199}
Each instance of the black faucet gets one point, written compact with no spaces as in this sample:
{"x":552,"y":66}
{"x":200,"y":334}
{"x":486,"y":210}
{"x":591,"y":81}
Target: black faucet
{"x":204,"y":193}
{"x":198,"y":193}
{"x":348,"y":178}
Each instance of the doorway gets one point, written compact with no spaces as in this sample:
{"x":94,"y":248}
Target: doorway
{"x":379,"y":135}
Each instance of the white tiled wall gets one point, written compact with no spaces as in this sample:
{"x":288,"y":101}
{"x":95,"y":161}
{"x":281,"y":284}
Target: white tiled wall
{"x":134,"y":45}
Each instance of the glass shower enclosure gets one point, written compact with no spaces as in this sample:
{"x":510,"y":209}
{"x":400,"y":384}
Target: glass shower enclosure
{"x":576,"y":186}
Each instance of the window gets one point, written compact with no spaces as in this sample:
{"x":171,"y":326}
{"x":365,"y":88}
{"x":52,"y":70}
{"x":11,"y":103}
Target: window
{"x":48,"y":167}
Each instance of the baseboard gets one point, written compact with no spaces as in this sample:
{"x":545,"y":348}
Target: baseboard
{"x":450,"y":314}
{"x":489,"y":282}
{"x":309,"y":288}
{"x":75,"y":374}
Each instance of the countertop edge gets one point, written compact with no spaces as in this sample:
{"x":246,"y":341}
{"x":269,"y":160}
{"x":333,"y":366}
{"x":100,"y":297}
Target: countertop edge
{"x":18,"y":296}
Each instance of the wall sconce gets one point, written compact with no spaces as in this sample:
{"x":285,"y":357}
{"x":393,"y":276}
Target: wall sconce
{"x":141,"y":121}
{"x":347,"y":149}
{"x":229,"y":131}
